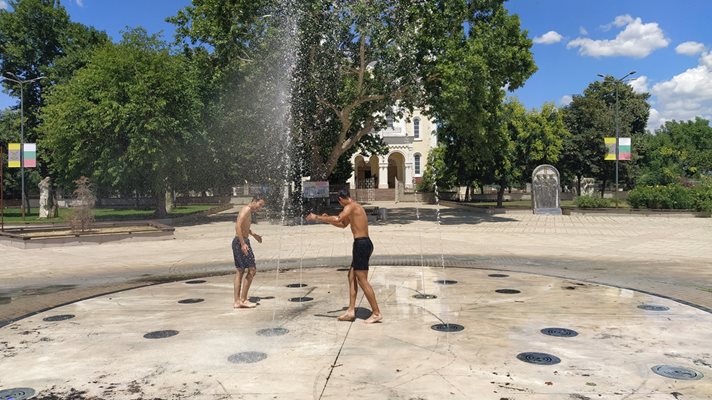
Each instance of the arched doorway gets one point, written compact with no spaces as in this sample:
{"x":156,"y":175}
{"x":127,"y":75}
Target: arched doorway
{"x":366,"y":172}
{"x":396,"y":169}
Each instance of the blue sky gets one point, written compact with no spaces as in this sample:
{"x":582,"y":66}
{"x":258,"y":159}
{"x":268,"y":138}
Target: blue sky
{"x":667,"y":42}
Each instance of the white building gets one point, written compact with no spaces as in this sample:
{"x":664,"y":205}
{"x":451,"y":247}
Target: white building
{"x":409,"y":144}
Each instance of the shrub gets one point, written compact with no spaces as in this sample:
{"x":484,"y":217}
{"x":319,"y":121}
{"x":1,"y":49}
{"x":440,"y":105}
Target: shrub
{"x":703,"y":196}
{"x":592,"y":202}
{"x":662,"y":197}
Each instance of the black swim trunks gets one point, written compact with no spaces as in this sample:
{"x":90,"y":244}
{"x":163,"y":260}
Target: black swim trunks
{"x":363,"y":248}
{"x":242,"y":261}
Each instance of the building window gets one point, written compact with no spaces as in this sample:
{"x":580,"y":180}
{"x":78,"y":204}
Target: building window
{"x":416,"y":163}
{"x":416,"y":128}
{"x":389,"y":121}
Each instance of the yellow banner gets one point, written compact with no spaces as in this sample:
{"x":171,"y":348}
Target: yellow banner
{"x":13,"y":155}
{"x":610,"y":147}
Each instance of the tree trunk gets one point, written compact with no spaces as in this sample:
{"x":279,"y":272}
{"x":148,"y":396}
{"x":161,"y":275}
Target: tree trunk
{"x":169,"y":201}
{"x":500,"y":195}
{"x":578,"y":185}
{"x":160,"y":197}
{"x":603,"y":188}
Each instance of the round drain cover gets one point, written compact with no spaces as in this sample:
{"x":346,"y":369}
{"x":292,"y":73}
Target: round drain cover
{"x":423,"y":296}
{"x":560,"y":332}
{"x":652,"y":307}
{"x":680,"y":373}
{"x":195,"y":281}
{"x":296,"y":285}
{"x":273,"y":332}
{"x":445,"y":282}
{"x":190,"y":301}
{"x":447,"y":327}
{"x":507,"y":291}
{"x":16,"y":394}
{"x":160,"y":334}
{"x":538,"y":358}
{"x":247,"y":357}
{"x":301,"y":299}
{"x":53,"y":318}
{"x":498,"y":276}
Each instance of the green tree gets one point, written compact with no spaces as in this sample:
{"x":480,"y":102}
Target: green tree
{"x":128,"y":120}
{"x":592,"y":116}
{"x":38,"y":39}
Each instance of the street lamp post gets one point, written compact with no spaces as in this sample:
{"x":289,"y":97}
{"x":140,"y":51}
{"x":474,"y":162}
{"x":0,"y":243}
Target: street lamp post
{"x":620,"y":80}
{"x":22,"y":83}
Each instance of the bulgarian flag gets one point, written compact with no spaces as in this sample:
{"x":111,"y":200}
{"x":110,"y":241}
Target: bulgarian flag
{"x":623,"y":152}
{"x":30,"y":155}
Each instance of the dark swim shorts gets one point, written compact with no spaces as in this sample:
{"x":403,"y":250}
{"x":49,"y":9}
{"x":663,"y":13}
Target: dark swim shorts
{"x":242,"y":261}
{"x":363,"y":248}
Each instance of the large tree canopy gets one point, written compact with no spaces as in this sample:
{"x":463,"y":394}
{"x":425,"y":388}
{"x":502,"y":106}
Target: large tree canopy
{"x":128,"y":120}
{"x":592,"y":116}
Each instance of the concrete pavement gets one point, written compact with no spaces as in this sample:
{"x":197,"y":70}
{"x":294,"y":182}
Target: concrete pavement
{"x":587,"y":273}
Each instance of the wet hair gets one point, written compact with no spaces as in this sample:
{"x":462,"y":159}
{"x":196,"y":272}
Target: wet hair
{"x":344,"y":194}
{"x":257,"y":198}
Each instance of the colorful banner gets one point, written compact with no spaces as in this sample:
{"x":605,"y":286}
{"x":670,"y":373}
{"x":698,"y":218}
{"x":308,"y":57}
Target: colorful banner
{"x":13,"y":155}
{"x":625,"y":148}
{"x":30,"y":155}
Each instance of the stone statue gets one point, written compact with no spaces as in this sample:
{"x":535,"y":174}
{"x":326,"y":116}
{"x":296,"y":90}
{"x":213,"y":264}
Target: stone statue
{"x":46,"y":204}
{"x":545,"y":190}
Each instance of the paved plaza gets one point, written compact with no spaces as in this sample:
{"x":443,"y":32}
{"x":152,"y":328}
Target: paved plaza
{"x":467,"y":298}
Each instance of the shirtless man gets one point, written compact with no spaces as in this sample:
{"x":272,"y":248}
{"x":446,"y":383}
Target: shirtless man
{"x":242,"y":252}
{"x":355,"y":215}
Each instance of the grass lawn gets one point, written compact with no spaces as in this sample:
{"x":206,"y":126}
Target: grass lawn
{"x":13,"y":215}
{"x":528,"y":204}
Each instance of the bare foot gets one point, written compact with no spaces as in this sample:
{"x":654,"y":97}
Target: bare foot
{"x":247,"y":304}
{"x":373,"y":319}
{"x":346,"y":317}
{"x":236,"y":305}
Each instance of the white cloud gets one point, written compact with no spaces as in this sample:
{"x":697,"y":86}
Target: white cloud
{"x":640,"y":84}
{"x":548,"y":38}
{"x":690,"y":48}
{"x":583,"y":31}
{"x":566,"y":100}
{"x":80,"y":3}
{"x":687,"y":95}
{"x":635,"y":40}
{"x":3,"y":5}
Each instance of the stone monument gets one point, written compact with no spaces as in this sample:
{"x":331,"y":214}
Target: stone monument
{"x":545,"y":190}
{"x":46,"y":206}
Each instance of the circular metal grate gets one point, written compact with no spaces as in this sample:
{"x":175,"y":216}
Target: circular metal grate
{"x":190,"y":301}
{"x":653,"y":307}
{"x":195,"y":281}
{"x":447,"y":327}
{"x":273,"y":332}
{"x":247,"y":357}
{"x":445,"y":282}
{"x":53,"y":318}
{"x":160,"y":334}
{"x":680,"y":373}
{"x":424,"y":296}
{"x":538,"y":358}
{"x":301,"y":299}
{"x":559,"y":332}
{"x":16,"y":394}
{"x":498,"y":276}
{"x":297,"y":285}
{"x":507,"y":291}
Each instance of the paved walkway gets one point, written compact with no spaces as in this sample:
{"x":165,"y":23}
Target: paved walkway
{"x":570,"y":270}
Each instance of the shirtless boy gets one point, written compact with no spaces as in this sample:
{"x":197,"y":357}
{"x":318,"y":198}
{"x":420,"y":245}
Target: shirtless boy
{"x":354,"y":215}
{"x":242,"y":253}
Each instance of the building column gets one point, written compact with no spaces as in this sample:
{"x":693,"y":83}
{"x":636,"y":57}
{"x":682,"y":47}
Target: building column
{"x":383,"y":172}
{"x":408,"y":175}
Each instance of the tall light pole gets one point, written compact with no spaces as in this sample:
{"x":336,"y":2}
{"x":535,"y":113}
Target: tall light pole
{"x":617,"y":81}
{"x":22,"y":83}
